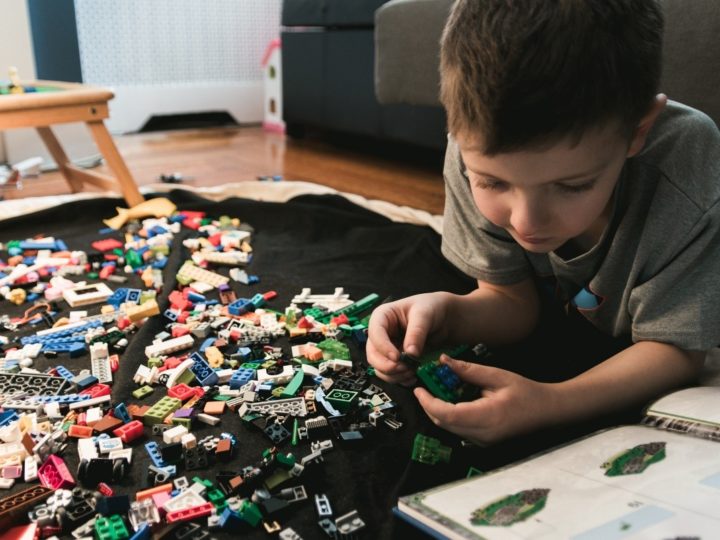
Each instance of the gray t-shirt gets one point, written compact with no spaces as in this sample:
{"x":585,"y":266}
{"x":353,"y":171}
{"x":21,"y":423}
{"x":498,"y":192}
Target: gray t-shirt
{"x":654,"y":275}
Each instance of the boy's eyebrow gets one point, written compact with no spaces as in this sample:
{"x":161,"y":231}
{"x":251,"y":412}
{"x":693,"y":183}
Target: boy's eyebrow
{"x":561,"y":179}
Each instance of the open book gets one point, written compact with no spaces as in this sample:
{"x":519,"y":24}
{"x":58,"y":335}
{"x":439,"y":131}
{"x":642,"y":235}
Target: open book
{"x":658,"y":480}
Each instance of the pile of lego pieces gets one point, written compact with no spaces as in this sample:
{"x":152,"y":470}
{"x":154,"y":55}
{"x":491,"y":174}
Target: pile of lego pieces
{"x":219,"y":356}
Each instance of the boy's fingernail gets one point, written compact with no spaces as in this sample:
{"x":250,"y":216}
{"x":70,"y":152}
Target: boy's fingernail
{"x":412,"y":349}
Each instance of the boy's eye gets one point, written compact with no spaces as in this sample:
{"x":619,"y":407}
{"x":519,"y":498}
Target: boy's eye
{"x":577,"y":188}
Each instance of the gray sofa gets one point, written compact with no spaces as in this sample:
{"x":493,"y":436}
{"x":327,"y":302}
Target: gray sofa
{"x":407,"y":34}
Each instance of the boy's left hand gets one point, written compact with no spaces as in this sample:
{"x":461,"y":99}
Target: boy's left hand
{"x":510,"y":404}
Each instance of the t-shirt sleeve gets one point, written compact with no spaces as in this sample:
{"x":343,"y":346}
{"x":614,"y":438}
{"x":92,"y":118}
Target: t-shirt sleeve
{"x":680,"y":303}
{"x":471,"y":242}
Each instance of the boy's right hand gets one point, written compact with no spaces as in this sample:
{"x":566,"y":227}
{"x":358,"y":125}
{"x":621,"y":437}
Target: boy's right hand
{"x":405,"y":325}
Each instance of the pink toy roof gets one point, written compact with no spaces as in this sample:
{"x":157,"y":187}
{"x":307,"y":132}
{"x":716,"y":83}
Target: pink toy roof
{"x":274,"y":44}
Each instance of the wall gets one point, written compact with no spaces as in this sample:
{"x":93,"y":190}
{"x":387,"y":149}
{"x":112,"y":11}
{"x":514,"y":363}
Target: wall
{"x":17,"y":46}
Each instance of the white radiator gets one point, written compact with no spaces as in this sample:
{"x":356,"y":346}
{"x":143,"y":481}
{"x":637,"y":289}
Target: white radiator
{"x":165,"y":57}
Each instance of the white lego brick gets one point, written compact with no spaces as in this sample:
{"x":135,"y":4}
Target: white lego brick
{"x":30,"y":469}
{"x":224,"y":375}
{"x":87,"y":449}
{"x":122,"y":453}
{"x":188,"y":440}
{"x":10,"y":433}
{"x":7,"y":483}
{"x":87,"y":294}
{"x":52,"y":410}
{"x":169,"y":346}
{"x":175,"y":373}
{"x":93,"y":415}
{"x":281,"y":378}
{"x":143,"y":375}
{"x":105,"y":446}
{"x":174,"y":434}
{"x":187,"y":499}
{"x":208,"y":419}
{"x":90,"y":402}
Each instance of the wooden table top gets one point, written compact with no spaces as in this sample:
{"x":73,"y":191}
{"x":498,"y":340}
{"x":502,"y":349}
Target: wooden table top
{"x":67,"y":94}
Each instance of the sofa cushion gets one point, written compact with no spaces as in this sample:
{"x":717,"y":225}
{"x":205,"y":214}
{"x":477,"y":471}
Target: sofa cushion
{"x":407,"y":51}
{"x":691,"y":63}
{"x":330,"y":12}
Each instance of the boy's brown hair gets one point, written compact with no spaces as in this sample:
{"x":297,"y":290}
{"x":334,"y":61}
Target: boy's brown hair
{"x":527,"y":73}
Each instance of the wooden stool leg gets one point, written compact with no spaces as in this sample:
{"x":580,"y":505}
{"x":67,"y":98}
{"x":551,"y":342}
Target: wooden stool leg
{"x":60,"y":157}
{"x":107,"y":148}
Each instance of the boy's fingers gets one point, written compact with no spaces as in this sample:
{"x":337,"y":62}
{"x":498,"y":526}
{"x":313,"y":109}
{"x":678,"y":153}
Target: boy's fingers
{"x":444,"y":414}
{"x":379,"y":338}
{"x":477,"y":374}
{"x":415,"y":335}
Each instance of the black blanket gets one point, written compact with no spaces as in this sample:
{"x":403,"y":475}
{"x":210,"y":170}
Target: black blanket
{"x":320,"y":242}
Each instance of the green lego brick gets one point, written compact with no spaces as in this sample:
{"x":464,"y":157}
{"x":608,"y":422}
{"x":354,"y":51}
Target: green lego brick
{"x":251,"y":513}
{"x":186,"y":377}
{"x":251,"y":365}
{"x":142,"y":392}
{"x":111,"y":528}
{"x":429,"y":450}
{"x":187,"y":422}
{"x":427,"y":374}
{"x":353,"y":309}
{"x":158,"y":412}
{"x":216,"y":497}
{"x":333,"y":349}
{"x":294,"y":385}
{"x":342,"y":400}
{"x":154,"y":362}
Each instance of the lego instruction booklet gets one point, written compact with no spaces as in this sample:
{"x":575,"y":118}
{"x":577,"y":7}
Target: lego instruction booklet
{"x":658,"y":480}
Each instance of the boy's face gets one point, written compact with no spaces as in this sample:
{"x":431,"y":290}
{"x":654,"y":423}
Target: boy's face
{"x":546,"y":197}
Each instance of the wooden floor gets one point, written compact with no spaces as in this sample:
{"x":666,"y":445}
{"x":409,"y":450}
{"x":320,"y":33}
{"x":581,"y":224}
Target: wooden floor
{"x":214,"y":156}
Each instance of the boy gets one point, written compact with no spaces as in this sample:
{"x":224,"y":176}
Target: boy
{"x":569,"y":179}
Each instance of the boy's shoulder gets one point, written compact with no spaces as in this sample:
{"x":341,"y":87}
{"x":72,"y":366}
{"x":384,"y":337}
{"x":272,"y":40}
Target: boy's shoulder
{"x":684,"y":147}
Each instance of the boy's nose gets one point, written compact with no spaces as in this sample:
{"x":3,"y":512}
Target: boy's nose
{"x":529,"y":217}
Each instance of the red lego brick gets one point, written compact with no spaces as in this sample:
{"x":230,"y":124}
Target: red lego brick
{"x":130,"y":431}
{"x":96,"y":390}
{"x":190,"y":513}
{"x":54,"y":474}
{"x":181,"y":391}
{"x":107,"y":244}
{"x":80,"y":432}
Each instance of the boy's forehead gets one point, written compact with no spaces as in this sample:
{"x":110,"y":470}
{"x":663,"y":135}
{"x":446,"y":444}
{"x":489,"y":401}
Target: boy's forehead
{"x":600,"y":140}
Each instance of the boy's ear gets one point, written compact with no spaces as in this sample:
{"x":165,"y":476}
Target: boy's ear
{"x":643,"y":128}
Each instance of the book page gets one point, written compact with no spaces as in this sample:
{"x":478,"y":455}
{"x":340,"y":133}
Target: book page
{"x":655,"y":484}
{"x":699,"y":404}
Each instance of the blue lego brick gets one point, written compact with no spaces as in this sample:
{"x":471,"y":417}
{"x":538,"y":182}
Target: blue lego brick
{"x":85,"y":382}
{"x":121,"y":413}
{"x":118,"y":297}
{"x":76,"y":333}
{"x":67,"y":398}
{"x":73,"y":348}
{"x":230,"y":520}
{"x":241,"y":377}
{"x":240,"y":306}
{"x":64,"y":372}
{"x":171,"y":315}
{"x":205,"y":375}
{"x":207,"y":343}
{"x":195,"y":297}
{"x":160,"y":263}
{"x":133,"y":295}
{"x":154,"y":452}
{"x":143,"y":533}
{"x":245,"y":353}
{"x":8,"y":417}
{"x":258,"y":300}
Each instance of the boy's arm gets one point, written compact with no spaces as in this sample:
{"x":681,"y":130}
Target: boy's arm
{"x":512,"y":404}
{"x":634,"y":376}
{"x":494,"y":314}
